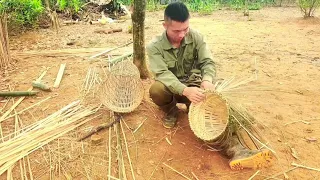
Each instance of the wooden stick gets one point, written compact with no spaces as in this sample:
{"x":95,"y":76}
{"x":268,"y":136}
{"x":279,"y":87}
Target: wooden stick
{"x":154,"y":169}
{"x":99,"y":128}
{"x":127,"y":150}
{"x":117,"y":59}
{"x":305,"y":167}
{"x":139,"y":126}
{"x":18,"y":93}
{"x":71,"y":22}
{"x":16,"y":113}
{"x":280,"y":173}
{"x":40,"y":85}
{"x":109,"y":31}
{"x":176,"y":171}
{"x":194,"y":176}
{"x":254,"y":175}
{"x":109,"y":50}
{"x":109,"y":151}
{"x":59,"y":76}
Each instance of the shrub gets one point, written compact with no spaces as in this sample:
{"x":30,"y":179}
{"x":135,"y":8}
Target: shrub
{"x":22,"y":12}
{"x":308,"y":7}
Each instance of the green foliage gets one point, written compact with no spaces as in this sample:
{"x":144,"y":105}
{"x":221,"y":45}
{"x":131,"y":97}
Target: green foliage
{"x":203,"y":6}
{"x":126,"y":2}
{"x":254,"y":6}
{"x":22,"y":12}
{"x":71,"y":5}
{"x":308,"y":6}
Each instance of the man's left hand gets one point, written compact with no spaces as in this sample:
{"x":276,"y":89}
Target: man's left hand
{"x":207,"y":85}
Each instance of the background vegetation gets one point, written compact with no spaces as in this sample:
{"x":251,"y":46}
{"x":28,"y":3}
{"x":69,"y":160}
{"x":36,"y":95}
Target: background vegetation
{"x":27,"y":12}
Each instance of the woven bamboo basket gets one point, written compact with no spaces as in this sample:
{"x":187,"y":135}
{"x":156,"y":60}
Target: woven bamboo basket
{"x":122,"y":91}
{"x":209,"y":119}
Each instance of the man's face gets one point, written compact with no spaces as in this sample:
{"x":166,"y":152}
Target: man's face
{"x":176,"y":31}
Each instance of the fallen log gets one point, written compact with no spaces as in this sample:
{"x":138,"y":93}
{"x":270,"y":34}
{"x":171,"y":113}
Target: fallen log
{"x":109,"y":31}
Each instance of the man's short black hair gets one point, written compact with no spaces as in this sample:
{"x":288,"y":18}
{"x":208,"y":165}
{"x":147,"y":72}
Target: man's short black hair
{"x":176,"y":11}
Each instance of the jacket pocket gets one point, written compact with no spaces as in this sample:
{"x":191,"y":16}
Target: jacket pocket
{"x":172,"y":66}
{"x":189,"y":62}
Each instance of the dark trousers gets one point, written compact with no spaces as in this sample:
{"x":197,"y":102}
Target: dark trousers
{"x":164,"y":98}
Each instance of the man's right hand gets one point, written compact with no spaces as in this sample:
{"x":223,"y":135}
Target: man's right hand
{"x":194,"y":94}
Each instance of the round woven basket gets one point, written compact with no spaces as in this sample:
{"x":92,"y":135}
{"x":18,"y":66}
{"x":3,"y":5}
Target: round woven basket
{"x":122,"y":91}
{"x":209,"y":118}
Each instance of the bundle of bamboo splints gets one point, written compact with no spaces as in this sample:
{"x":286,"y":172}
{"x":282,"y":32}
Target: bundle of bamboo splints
{"x":4,"y":42}
{"x":27,"y":140}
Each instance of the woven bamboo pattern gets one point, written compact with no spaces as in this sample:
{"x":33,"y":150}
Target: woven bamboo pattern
{"x":122,"y":91}
{"x":209,"y":118}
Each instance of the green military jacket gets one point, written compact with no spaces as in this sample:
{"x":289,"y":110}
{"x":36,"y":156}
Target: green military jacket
{"x":172,"y":66}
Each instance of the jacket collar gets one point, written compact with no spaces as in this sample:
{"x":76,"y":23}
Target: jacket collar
{"x":167,"y":45}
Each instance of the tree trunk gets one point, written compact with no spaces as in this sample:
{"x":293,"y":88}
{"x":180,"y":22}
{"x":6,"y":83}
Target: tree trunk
{"x":246,"y":9}
{"x":139,"y":52}
{"x":4,"y":42}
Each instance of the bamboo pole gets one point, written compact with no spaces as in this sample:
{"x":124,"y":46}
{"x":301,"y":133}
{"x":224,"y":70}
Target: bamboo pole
{"x":109,"y":50}
{"x":18,"y":93}
{"x":117,"y":59}
{"x":59,"y":76}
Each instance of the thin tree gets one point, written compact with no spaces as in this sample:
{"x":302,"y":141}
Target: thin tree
{"x":139,"y":52}
{"x":4,"y":42}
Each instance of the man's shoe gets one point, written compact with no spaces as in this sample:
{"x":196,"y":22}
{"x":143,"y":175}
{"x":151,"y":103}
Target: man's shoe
{"x":252,"y":159}
{"x":171,"y":119}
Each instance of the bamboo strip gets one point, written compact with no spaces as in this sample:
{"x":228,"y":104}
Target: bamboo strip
{"x":36,"y":138}
{"x":38,"y":103}
{"x":176,"y":171}
{"x":59,"y":76}
{"x":17,"y":103}
{"x":109,"y":50}
{"x":127,"y":150}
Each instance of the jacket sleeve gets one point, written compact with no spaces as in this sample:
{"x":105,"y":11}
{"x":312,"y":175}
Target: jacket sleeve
{"x":205,"y":60}
{"x":161,"y":72}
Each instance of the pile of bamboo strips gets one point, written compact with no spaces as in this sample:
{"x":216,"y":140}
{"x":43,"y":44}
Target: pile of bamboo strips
{"x":33,"y":137}
{"x":4,"y":42}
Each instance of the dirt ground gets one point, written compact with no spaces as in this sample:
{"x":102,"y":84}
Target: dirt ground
{"x":276,"y":43}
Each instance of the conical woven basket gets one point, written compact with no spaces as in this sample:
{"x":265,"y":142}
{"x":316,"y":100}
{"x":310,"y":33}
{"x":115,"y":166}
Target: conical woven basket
{"x":209,"y":118}
{"x":122,"y":91}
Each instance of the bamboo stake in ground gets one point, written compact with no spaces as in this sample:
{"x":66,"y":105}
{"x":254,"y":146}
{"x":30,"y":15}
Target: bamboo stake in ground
{"x":59,"y":76}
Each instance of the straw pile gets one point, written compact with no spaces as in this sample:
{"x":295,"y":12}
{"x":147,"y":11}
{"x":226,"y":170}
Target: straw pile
{"x":4,"y":42}
{"x":33,"y":137}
